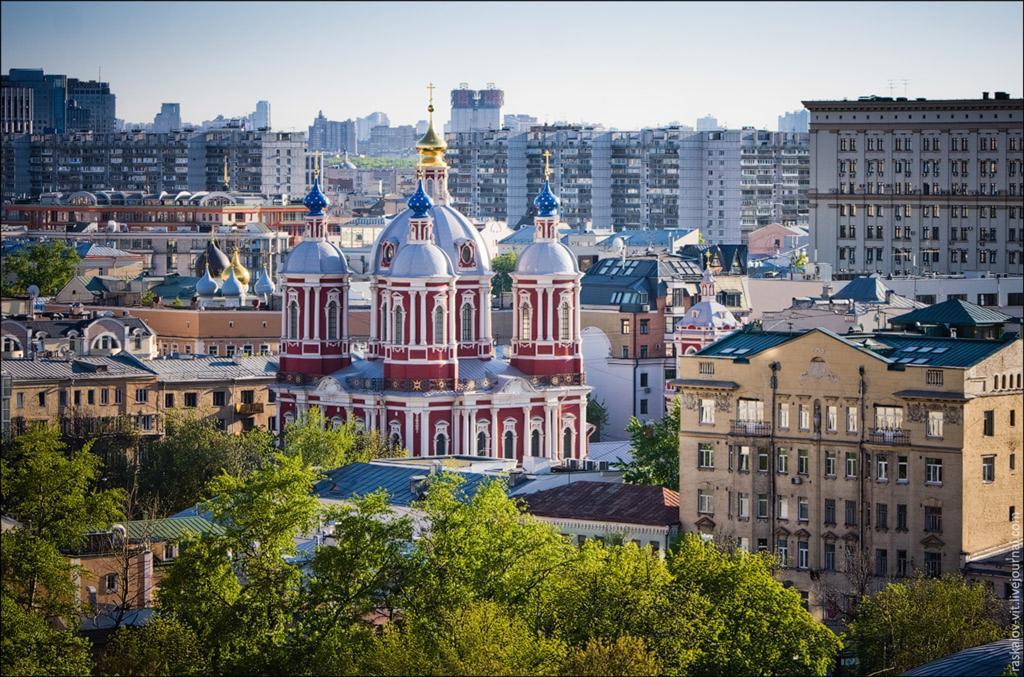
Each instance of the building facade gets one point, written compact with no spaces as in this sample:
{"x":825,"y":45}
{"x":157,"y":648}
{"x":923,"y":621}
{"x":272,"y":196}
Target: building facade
{"x":333,"y":136}
{"x":918,"y":187}
{"x":857,"y":459}
{"x":98,"y":105}
{"x":430,"y":380}
{"x":475,"y":110}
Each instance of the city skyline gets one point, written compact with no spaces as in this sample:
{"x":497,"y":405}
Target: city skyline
{"x":750,"y":85}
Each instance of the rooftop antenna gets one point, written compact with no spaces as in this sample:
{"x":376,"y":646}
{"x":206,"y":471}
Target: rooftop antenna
{"x":905,"y":82}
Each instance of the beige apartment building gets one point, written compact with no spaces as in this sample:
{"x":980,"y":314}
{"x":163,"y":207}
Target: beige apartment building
{"x":857,"y":459}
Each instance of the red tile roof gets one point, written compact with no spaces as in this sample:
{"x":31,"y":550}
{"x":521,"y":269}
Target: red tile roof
{"x":607,"y":502}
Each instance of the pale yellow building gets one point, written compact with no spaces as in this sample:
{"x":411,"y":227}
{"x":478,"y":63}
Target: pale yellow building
{"x":856,"y":459}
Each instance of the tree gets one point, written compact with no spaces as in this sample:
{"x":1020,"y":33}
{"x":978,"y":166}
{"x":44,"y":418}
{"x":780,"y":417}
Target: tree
{"x":239,"y":591}
{"x":597,"y":416}
{"x":147,"y":299}
{"x":317,"y":442}
{"x":919,"y":620}
{"x":626,"y":655}
{"x":47,"y":265}
{"x":160,"y":647}
{"x":752,"y":623}
{"x":503,"y":265}
{"x":655,"y":451}
{"x":32,"y":646}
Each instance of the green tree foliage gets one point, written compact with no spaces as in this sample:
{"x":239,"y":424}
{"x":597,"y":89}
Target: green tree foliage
{"x":176,"y":468}
{"x":323,"y":445}
{"x":160,"y":647}
{"x":916,"y":621}
{"x":625,"y":655}
{"x":30,"y":645}
{"x":597,"y":416}
{"x":655,"y":451}
{"x":368,"y":162}
{"x":48,"y":265}
{"x":503,"y":266}
{"x":754,"y":625}
{"x":238,"y":592}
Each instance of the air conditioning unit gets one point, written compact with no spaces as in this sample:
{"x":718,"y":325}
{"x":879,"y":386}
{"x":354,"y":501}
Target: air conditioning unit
{"x":797,"y":480}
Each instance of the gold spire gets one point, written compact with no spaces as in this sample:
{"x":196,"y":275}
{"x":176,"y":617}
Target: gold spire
{"x":227,"y":178}
{"x":547,"y":164}
{"x":241,"y":272}
{"x":431,"y":147}
{"x":316,"y":165}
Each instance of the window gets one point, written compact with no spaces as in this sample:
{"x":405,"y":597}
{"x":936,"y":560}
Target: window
{"x":643,"y":407}
{"x":889,"y":418}
{"x":782,"y":507}
{"x":851,"y":464}
{"x":762,"y":460}
{"x":934,"y":377}
{"x":110,"y":581}
{"x":706,"y":455}
{"x":742,"y":505}
{"x":705,"y":502}
{"x":850,"y":513}
{"x":565,"y":323}
{"x":625,"y":352}
{"x":881,"y":515}
{"x":801,"y":555}
{"x":805,"y":418}
{"x":625,"y":326}
{"x":118,"y":396}
{"x":762,"y":545}
{"x":830,"y":511}
{"x":902,"y":469}
{"x":882,"y":468}
{"x":881,"y":562}
{"x":104,"y":397}
{"x":744,"y":456}
{"x":750,"y":411}
{"x":398,"y":325}
{"x":851,"y":419}
{"x":803,"y":509}
{"x":933,"y":519}
{"x":829,"y":563}
{"x":220,"y":398}
{"x":441,"y":444}
{"x":212,"y":350}
{"x":933,"y":564}
{"x":762,"y":506}
{"x":832,"y":419}
{"x":439,"y":332}
{"x":332,"y":320}
{"x":141,"y":395}
{"x":933,"y":470}
{"x":191,"y":400}
{"x":901,"y":517}
{"x":830,"y":464}
{"x":706,"y":368}
{"x":990,"y":423}
{"x":901,"y":563}
{"x":935,"y":420}
{"x":784,"y":416}
{"x":707,"y":411}
{"x":645,"y":326}
{"x":643,"y":379}
{"x":782,"y":464}
{"x":248,"y":396}
{"x":988,"y":468}
{"x":169,"y":400}
{"x":293,"y":319}
{"x":803,"y":462}
{"x":783,"y":552}
{"x":510,"y":444}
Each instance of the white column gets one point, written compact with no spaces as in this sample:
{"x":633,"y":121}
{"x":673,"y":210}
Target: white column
{"x":308,"y":314}
{"x":495,"y":433}
{"x":456,"y":430}
{"x":344,"y":311}
{"x":577,"y":324}
{"x":526,"y":433}
{"x":408,"y":438}
{"x":484,"y":302}
{"x":375,"y":307}
{"x":472,"y":430}
{"x":547,"y":313}
{"x":423,"y":318}
{"x":424,"y":433}
{"x":316,"y":311}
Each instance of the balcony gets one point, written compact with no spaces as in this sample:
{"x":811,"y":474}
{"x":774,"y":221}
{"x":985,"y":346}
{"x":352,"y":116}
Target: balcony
{"x":750,"y":428}
{"x":249,"y":408}
{"x":892,"y":438}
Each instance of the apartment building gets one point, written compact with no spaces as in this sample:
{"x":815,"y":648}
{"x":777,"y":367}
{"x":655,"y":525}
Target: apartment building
{"x":918,"y":186}
{"x":16,"y":110}
{"x":856,"y":459}
{"x":97,"y":104}
{"x":332,"y":136}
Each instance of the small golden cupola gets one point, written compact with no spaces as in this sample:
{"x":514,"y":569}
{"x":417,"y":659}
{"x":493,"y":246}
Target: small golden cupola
{"x":431,"y":147}
{"x":241,"y":272}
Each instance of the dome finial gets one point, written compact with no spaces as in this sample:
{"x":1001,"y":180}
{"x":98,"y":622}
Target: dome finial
{"x":547,"y":164}
{"x":227,"y":177}
{"x":420,"y":203}
{"x":431,"y":147}
{"x":546,"y":201}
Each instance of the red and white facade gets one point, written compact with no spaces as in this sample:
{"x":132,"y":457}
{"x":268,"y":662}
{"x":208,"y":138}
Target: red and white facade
{"x":705,"y":321}
{"x":431,"y":381}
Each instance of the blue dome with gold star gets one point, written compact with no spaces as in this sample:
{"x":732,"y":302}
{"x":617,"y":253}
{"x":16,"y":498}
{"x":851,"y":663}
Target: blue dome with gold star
{"x":419,"y":202}
{"x":316,"y":201}
{"x":546,"y":202}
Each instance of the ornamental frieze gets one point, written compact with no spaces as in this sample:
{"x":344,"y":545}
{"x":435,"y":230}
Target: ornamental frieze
{"x":918,"y":412}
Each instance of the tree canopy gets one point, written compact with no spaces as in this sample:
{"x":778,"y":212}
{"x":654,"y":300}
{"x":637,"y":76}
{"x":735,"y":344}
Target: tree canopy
{"x":47,"y":265}
{"x":503,"y":265}
{"x":655,"y":451}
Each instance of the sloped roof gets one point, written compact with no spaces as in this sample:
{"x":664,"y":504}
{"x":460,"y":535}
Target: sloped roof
{"x":953,"y":313}
{"x":171,"y":528}
{"x":987,"y":660}
{"x":212,"y":368}
{"x":863,"y":290}
{"x":607,"y":502}
{"x":524,"y":235}
{"x":80,"y":368}
{"x":359,"y":479}
{"x":638,"y":237}
{"x":630,"y":278}
{"x":176,"y":287}
{"x":88,"y":249}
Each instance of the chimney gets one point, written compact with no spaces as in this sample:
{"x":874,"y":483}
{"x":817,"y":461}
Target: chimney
{"x":146,"y":578}
{"x":417,"y":486}
{"x":888,"y":296}
{"x":984,"y":95}
{"x":826,"y":291}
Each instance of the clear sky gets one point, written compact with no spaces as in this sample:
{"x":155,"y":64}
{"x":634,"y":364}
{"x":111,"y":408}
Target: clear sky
{"x":625,"y":65}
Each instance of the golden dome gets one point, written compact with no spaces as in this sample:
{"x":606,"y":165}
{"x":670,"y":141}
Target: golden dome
{"x":241,"y":272}
{"x":432,"y":146}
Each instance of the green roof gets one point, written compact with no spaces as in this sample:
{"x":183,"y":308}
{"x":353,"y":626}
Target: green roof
{"x":953,"y":313}
{"x":171,"y":528}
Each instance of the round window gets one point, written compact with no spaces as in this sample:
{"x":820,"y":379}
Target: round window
{"x":466,"y":256}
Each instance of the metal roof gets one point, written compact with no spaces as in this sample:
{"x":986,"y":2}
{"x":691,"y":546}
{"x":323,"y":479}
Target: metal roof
{"x":745,"y":343}
{"x":953,"y":313}
{"x":988,"y":660}
{"x":607,"y":502}
{"x":171,"y":528}
{"x":212,"y":368}
{"x":359,"y":479}
{"x":79,"y":368}
{"x":616,"y":282}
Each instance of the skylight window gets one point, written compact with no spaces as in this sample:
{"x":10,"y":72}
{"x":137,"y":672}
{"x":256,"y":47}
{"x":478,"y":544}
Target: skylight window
{"x":925,"y":349}
{"x":905,"y":360}
{"x":740,"y":351}
{"x":921,"y":360}
{"x":910,"y":349}
{"x":941,"y":350}
{"x":727,"y":351}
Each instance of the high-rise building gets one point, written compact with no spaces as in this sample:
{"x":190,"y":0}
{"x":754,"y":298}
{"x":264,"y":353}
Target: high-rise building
{"x":390,"y":141}
{"x":261,"y":117}
{"x":519,"y":123}
{"x":364,"y":125}
{"x":918,"y":186}
{"x":168,"y":119}
{"x":708,"y":123}
{"x":270,"y":163}
{"x":95,"y":99}
{"x":797,"y":121}
{"x":475,"y":110}
{"x":49,"y":96}
{"x":333,"y":136}
{"x":16,"y":110}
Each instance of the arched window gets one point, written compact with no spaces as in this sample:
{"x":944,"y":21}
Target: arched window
{"x":441,"y":444}
{"x":467,"y":322}
{"x":398,"y":331}
{"x":293,"y":319}
{"x":439,"y":323}
{"x":482,"y":443}
{"x":336,"y":422}
{"x":289,"y":418}
{"x":396,"y":440}
{"x":564,"y":324}
{"x":510,"y":444}
{"x":525,"y":321}
{"x":11,"y":344}
{"x":535,"y":443}
{"x":332,"y":320}
{"x":567,"y":443}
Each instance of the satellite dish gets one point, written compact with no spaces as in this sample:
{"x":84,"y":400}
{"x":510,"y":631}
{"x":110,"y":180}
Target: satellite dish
{"x":33,"y":291}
